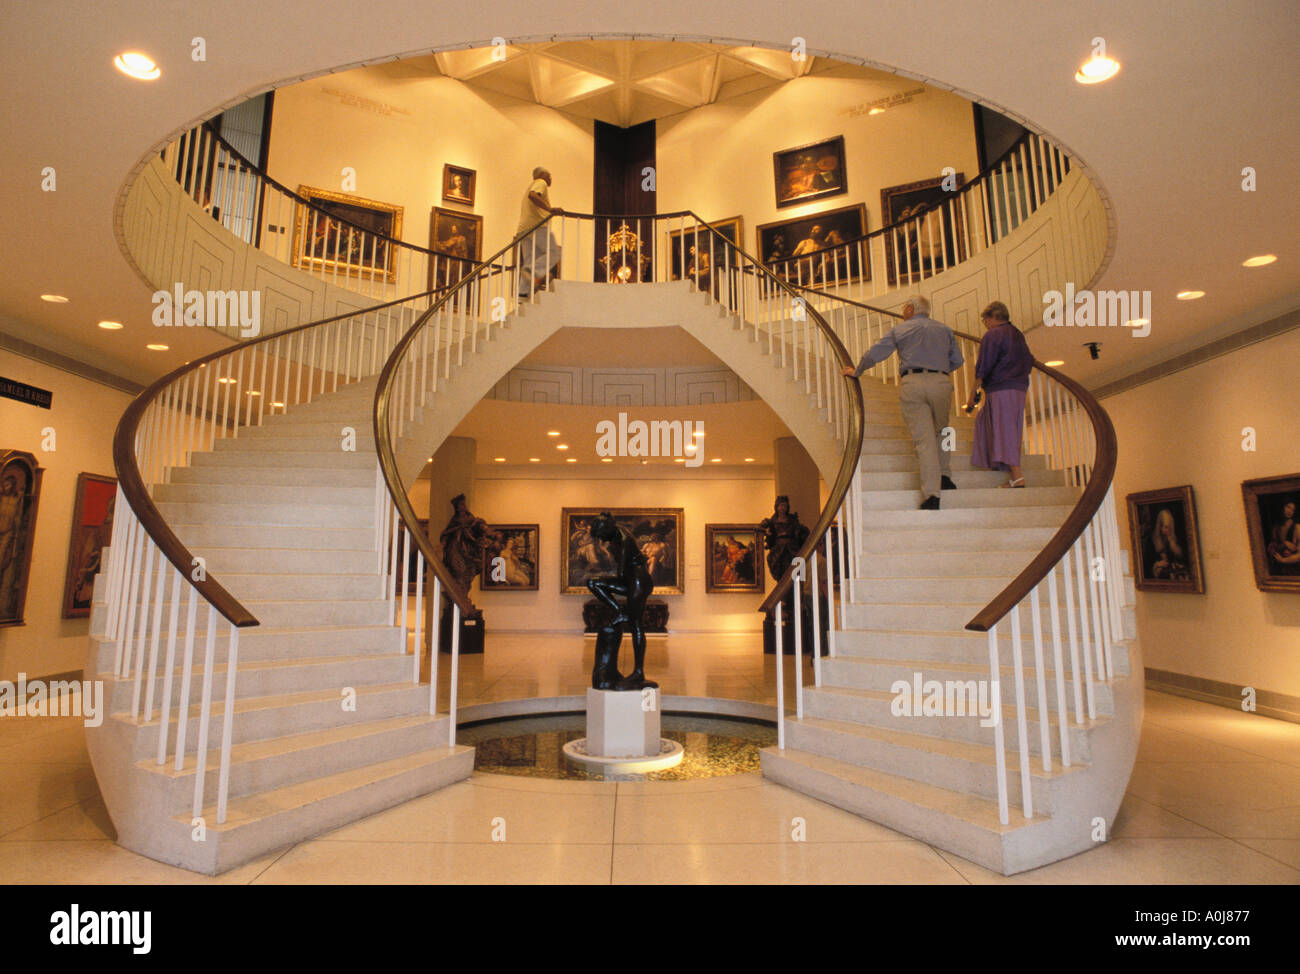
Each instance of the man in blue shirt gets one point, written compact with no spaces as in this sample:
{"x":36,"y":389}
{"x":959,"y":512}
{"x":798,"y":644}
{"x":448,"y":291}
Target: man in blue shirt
{"x":927,"y":355}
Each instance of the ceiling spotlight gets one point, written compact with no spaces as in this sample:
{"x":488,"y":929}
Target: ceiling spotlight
{"x":1096,"y":69}
{"x":606,"y":459}
{"x":280,"y":405}
{"x":698,"y":433}
{"x":1189,"y":295}
{"x":1055,"y":363}
{"x":157,"y":348}
{"x":749,"y":459}
{"x":1094,"y":349}
{"x":680,"y":460}
{"x":54,"y":298}
{"x":571,"y":460}
{"x":111,"y":325}
{"x":561,"y":446}
{"x":716,"y":460}
{"x":552,"y":432}
{"x":498,"y":459}
{"x":137,"y":65}
{"x":253,"y":392}
{"x":226,"y":380}
{"x":1261,"y":261}
{"x":534,"y":459}
{"x":430,"y":460}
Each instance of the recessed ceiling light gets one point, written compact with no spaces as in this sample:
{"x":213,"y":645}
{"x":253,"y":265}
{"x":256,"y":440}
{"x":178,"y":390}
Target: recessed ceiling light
{"x":1260,"y":261}
{"x":157,"y":348}
{"x":644,"y":462}
{"x":876,"y":111}
{"x":430,"y":460}
{"x":561,"y":446}
{"x":679,"y":460}
{"x":226,"y":380}
{"x":698,"y":433}
{"x":54,"y":298}
{"x":552,"y":432}
{"x":1137,"y":322}
{"x":253,"y":392}
{"x":571,"y":460}
{"x":280,"y":405}
{"x":1054,"y":363}
{"x":137,"y":65}
{"x":498,"y":459}
{"x":111,"y":325}
{"x":749,"y":459}
{"x":534,"y":459}
{"x":1096,"y":69}
{"x":1189,"y":295}
{"x":716,"y":460}
{"x":606,"y":459}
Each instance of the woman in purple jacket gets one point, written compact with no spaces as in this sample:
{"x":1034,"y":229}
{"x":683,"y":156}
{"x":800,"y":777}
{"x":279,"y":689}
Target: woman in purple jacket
{"x":1002,"y":371}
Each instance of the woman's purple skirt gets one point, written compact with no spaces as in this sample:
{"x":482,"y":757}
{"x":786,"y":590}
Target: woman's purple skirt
{"x":999,"y":429}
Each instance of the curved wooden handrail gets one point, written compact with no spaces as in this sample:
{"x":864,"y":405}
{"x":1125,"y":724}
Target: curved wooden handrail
{"x":137,"y":494}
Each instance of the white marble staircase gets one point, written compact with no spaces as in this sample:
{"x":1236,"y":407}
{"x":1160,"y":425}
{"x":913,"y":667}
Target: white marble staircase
{"x":922,"y":576}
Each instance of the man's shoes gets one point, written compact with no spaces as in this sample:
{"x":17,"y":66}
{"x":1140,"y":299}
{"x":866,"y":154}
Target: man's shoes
{"x":930,"y":504}
{"x":946,"y":483}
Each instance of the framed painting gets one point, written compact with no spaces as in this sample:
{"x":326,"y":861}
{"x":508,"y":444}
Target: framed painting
{"x":658,"y":532}
{"x":689,"y":265}
{"x":927,"y":246}
{"x":809,"y":172}
{"x":92,"y":530}
{"x":1166,"y":540}
{"x":518,"y":570}
{"x":458,"y":239}
{"x":1274,"y":536}
{"x":810,"y":250}
{"x":344,"y":234}
{"x":458,"y":184}
{"x":20,"y":495}
{"x":734,"y":558}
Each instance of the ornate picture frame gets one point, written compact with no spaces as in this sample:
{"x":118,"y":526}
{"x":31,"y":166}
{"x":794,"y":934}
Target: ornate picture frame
{"x":457,"y":236}
{"x":733,"y":558}
{"x":659,"y":531}
{"x":20,"y":496}
{"x":1271,"y":509}
{"x":92,"y":529}
{"x":1166,"y":540}
{"x":458,"y":184}
{"x":323,"y":243}
{"x":816,"y":266}
{"x":521,"y":556}
{"x":809,"y":172}
{"x":939,"y":244}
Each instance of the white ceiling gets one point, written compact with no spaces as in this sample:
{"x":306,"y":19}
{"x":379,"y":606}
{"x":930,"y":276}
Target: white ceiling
{"x":1206,"y":90}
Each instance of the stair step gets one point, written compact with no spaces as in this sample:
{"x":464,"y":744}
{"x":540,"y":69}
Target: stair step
{"x":279,"y":643}
{"x":274,"y":537}
{"x":964,"y":479}
{"x":269,"y":495}
{"x":939,"y":567}
{"x":960,"y":460}
{"x":274,"y":476}
{"x":294,"y":561}
{"x":966,"y":499}
{"x":904,"y":542}
{"x":1045,"y":515}
{"x":330,"y":459}
{"x":364,"y":439}
{"x":252,"y":512}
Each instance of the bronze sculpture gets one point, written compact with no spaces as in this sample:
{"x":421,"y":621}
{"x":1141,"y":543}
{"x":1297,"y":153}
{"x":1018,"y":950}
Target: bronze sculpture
{"x":464,"y":540}
{"x":783,"y":536}
{"x":633,"y":583}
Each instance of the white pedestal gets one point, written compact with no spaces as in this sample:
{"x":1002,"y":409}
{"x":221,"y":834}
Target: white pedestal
{"x":623,"y":734}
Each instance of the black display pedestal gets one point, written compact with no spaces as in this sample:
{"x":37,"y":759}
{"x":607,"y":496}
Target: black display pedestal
{"x":596,"y":615}
{"x":471,"y":632}
{"x":787,"y":627}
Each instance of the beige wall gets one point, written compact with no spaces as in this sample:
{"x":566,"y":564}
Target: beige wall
{"x":704,"y":500}
{"x":84,"y":415}
{"x":398,"y":156}
{"x":717,"y":160}
{"x":1186,"y":428}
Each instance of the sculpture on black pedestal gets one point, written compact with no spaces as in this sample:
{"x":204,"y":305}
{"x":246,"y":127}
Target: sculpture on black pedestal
{"x":783,"y":536}
{"x":464,"y":540}
{"x":633,"y":584}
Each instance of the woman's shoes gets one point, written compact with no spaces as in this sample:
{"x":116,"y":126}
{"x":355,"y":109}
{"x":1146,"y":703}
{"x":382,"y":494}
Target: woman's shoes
{"x":1018,"y":482}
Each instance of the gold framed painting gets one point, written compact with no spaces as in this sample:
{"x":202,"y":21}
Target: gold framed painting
{"x":658,"y":533}
{"x":733,"y":558}
{"x":809,"y":172}
{"x":1271,"y":505}
{"x":1166,"y":540}
{"x":934,"y":242}
{"x":458,"y":184}
{"x":20,"y":495}
{"x":92,"y":529}
{"x":817,"y":250}
{"x":688,"y":264}
{"x":346,"y":235}
{"x":518,"y":569}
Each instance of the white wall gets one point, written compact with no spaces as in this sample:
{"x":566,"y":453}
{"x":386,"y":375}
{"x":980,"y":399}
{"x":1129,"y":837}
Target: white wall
{"x":704,"y":500}
{"x":84,"y":415}
{"x":1186,"y":429}
{"x":398,"y":156}
{"x":717,"y":160}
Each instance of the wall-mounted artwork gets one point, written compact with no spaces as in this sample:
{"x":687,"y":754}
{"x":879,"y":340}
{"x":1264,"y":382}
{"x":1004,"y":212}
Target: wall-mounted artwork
{"x":518,"y":550}
{"x":935,"y":242}
{"x":20,"y":494}
{"x":810,"y":172}
{"x":733,"y":558}
{"x":658,"y":531}
{"x":707,"y":249}
{"x":92,"y":530}
{"x":323,"y":242}
{"x":1166,"y":540}
{"x":809,"y":250}
{"x":458,"y":184}
{"x":1271,"y":504}
{"x":458,"y":238}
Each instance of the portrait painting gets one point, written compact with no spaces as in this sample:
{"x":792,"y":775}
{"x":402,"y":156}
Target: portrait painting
{"x":1165,"y":538}
{"x":923,"y":247}
{"x":516,"y":546}
{"x":733,"y":558}
{"x":810,"y":250}
{"x":458,"y":184}
{"x":1271,"y":522}
{"x":346,"y":235}
{"x":92,"y":530}
{"x":809,"y":172}
{"x":692,"y":252}
{"x":20,"y":494}
{"x":457,"y":238}
{"x":658,"y":533}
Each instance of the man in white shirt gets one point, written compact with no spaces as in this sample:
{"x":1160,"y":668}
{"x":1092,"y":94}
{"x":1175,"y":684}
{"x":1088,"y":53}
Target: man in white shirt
{"x":539,"y":253}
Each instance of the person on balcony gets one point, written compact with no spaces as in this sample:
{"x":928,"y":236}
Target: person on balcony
{"x":927,"y":356}
{"x":1002,"y":371}
{"x":539,"y":253}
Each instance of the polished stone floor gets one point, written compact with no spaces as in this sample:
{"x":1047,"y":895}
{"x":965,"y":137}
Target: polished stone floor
{"x":1215,"y":798}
